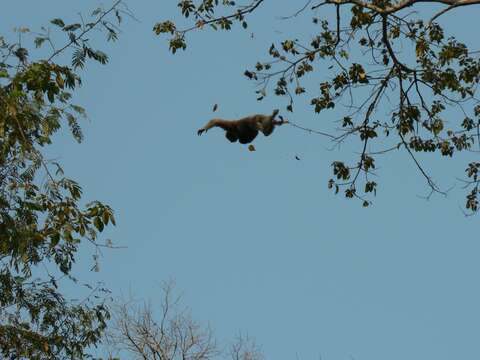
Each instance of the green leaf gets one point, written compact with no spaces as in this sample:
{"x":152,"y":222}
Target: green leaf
{"x":97,"y":221}
{"x":39,"y":41}
{"x":54,"y":240}
{"x":72,"y":27}
{"x":105,"y":217}
{"x":58,"y":22}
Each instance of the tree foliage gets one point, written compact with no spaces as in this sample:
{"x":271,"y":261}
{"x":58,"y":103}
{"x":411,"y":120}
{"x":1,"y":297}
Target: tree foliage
{"x":43,"y":219}
{"x":404,"y":84}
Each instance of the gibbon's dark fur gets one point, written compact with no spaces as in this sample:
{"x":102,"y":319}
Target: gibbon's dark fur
{"x":245,"y":130}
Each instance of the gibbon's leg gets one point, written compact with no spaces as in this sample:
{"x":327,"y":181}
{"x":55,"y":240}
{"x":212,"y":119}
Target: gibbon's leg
{"x":231,"y":135}
{"x":266,"y":124}
{"x":247,"y":132}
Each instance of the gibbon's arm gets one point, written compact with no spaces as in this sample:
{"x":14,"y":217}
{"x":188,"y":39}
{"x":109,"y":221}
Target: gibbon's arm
{"x":224,"y":124}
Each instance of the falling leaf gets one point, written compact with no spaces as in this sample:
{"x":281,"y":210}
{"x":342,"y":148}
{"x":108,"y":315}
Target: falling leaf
{"x":215,"y":107}
{"x":251,"y":148}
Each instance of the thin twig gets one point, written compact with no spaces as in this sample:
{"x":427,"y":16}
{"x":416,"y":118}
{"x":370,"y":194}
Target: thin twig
{"x":298,"y":12}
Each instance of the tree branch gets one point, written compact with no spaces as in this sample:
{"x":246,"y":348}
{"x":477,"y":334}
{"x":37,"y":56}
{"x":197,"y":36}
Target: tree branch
{"x":389,"y":46}
{"x":397,"y":7}
{"x":84,"y":32}
{"x":248,"y":9}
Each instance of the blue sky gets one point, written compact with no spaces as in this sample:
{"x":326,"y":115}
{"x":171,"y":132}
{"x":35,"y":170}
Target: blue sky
{"x":255,"y":240}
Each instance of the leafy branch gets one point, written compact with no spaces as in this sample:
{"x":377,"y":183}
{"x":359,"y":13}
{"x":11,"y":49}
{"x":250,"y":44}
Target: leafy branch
{"x":436,"y":75}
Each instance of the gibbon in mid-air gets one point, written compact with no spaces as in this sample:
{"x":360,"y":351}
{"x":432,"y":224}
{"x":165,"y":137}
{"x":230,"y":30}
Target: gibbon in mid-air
{"x":245,"y":130}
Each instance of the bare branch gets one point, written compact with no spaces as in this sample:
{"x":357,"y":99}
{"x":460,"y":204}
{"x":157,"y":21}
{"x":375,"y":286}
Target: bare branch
{"x":177,"y":337}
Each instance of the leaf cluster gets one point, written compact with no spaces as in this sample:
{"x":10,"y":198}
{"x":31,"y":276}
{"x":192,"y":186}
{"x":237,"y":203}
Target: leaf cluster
{"x":43,"y":217}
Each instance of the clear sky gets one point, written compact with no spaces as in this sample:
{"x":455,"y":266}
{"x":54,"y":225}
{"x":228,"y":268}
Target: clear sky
{"x":255,"y":239}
